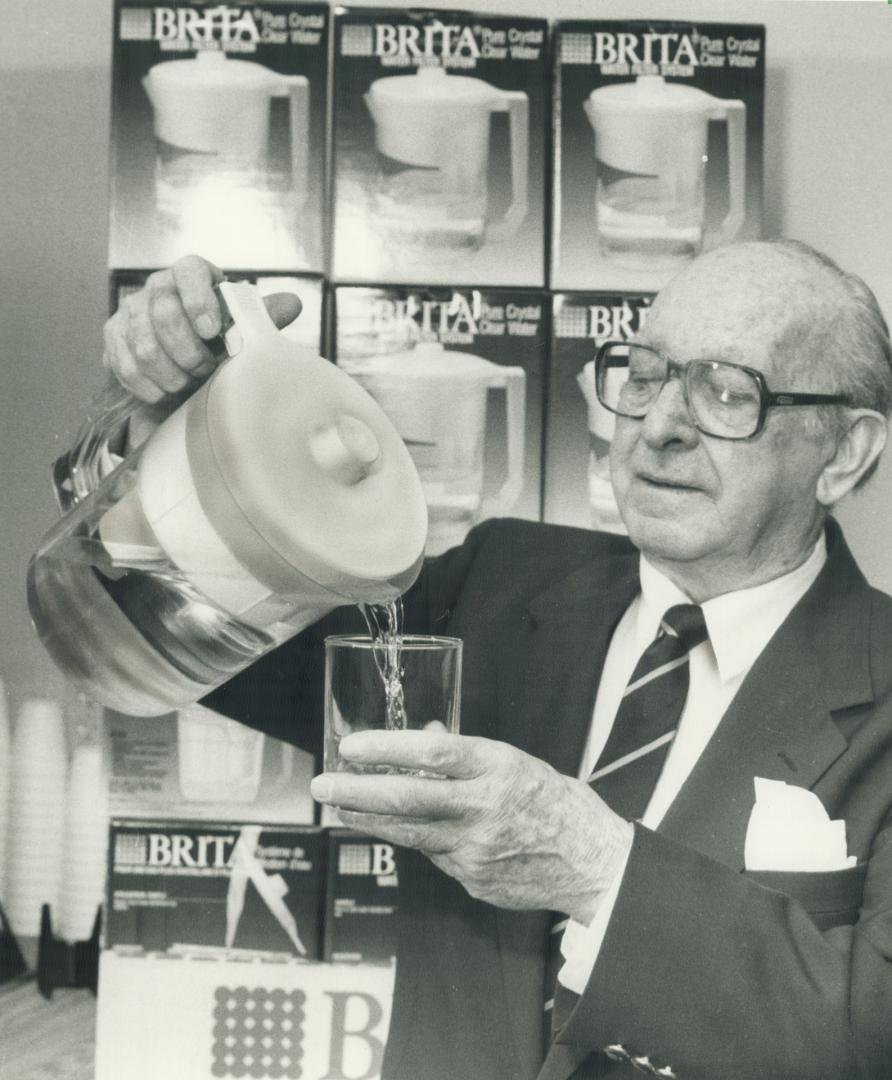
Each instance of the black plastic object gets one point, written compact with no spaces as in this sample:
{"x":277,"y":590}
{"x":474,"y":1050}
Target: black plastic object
{"x":12,"y":963}
{"x":60,"y":964}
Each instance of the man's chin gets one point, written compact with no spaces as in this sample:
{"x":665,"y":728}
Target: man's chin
{"x":665,"y":536}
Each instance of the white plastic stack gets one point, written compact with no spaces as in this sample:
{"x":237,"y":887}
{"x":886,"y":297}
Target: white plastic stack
{"x":37,"y":812}
{"x":5,"y":772}
{"x":85,"y":845}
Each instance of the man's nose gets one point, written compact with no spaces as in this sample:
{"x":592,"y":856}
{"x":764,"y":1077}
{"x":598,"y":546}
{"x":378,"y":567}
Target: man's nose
{"x":669,"y":418}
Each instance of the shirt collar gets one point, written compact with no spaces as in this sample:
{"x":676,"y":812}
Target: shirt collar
{"x":741,"y":623}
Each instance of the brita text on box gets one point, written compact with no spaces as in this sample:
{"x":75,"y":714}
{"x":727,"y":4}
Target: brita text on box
{"x":194,"y":886}
{"x":460,"y":373}
{"x":439,"y":143}
{"x":578,"y":429}
{"x":657,"y":148}
{"x":219,"y":134}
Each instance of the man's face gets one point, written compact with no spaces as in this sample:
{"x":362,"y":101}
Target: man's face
{"x":714,"y":514}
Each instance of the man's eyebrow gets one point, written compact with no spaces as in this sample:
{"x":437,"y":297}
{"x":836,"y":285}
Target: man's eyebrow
{"x":730,"y":353}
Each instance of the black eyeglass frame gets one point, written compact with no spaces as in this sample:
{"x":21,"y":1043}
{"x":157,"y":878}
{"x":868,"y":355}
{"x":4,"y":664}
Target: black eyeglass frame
{"x":767,"y":398}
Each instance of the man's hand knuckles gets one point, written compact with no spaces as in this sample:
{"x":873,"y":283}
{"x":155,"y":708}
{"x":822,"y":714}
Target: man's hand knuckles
{"x":146,"y":352}
{"x":189,"y":264}
{"x":438,"y":757}
{"x":131,"y":303}
{"x":165,"y":308}
{"x":160,"y":281}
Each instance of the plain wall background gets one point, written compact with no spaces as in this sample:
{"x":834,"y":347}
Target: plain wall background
{"x":828,"y":158}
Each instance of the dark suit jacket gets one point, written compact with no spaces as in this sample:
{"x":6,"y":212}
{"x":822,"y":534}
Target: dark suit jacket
{"x":715,"y":972}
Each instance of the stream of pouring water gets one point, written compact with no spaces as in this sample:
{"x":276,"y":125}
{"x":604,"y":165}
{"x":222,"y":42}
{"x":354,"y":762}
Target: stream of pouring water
{"x":385,"y":627}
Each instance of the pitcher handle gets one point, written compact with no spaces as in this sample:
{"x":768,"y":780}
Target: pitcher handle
{"x":517,"y":105}
{"x":297,"y":87}
{"x":734,"y":114}
{"x":513,"y":380}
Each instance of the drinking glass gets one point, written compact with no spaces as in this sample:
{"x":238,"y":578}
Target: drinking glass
{"x":407,"y":683}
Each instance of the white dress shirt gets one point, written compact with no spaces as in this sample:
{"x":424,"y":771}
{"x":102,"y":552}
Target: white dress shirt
{"x":740,"y":625}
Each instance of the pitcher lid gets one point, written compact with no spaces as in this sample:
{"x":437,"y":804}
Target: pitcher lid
{"x":432,"y":86}
{"x":301,"y":470}
{"x":428,"y":359}
{"x":650,"y":92}
{"x":212,"y":68}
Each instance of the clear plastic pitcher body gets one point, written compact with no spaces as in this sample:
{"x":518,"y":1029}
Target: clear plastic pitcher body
{"x":139,"y":639}
{"x":276,"y":492}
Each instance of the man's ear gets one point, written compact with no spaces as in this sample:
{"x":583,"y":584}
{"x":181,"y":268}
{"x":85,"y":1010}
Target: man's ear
{"x":856,"y":452}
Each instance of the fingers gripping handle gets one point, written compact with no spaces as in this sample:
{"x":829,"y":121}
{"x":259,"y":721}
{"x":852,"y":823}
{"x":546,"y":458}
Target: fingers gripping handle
{"x":101,"y":439}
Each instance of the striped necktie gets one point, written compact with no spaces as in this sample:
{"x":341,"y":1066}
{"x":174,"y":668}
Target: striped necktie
{"x":630,"y":764}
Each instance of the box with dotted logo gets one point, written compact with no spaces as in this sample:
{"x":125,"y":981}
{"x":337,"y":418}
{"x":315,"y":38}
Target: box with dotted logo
{"x":221,"y":1016}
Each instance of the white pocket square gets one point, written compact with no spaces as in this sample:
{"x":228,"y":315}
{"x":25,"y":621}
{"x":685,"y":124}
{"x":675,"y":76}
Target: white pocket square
{"x":789,"y":829}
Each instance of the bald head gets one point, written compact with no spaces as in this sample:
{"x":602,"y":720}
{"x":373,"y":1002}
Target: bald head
{"x":818,"y":327}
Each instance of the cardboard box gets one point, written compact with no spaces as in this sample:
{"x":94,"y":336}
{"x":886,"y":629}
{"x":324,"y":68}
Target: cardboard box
{"x":308,"y":328}
{"x":460,"y":372}
{"x":361,"y":899}
{"x":657,"y":147}
{"x":186,"y":887}
{"x":196,"y":765}
{"x":207,"y":1018}
{"x":219,"y":134}
{"x":439,"y":142}
{"x":578,"y":428}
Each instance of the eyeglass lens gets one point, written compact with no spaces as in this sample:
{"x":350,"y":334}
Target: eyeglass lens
{"x":724,"y":399}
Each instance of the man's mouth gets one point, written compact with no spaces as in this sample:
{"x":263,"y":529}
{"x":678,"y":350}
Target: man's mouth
{"x":667,"y":482}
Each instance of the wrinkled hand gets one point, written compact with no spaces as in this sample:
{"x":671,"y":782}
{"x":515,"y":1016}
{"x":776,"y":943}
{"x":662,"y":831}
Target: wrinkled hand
{"x":156,"y":342}
{"x":511,"y":829}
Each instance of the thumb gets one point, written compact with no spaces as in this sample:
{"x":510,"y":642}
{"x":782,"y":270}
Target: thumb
{"x":283,"y":308}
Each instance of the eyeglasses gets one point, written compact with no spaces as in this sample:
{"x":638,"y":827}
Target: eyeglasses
{"x":726,"y":401}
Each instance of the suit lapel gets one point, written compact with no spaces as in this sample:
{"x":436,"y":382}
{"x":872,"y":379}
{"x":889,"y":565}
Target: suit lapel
{"x":548,"y":677}
{"x":787,"y":735}
{"x":551,"y":663}
{"x":779,"y":725}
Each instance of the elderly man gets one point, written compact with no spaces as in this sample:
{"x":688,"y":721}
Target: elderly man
{"x":623,"y":702}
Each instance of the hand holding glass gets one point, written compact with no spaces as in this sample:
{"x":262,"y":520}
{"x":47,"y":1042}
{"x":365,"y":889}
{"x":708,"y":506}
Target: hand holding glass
{"x":405,"y":684}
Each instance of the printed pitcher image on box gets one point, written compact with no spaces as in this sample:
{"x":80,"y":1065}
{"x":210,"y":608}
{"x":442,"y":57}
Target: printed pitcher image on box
{"x":578,"y":429}
{"x":657,"y":148}
{"x":459,"y":372}
{"x":218,"y":128}
{"x":439,"y":147}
